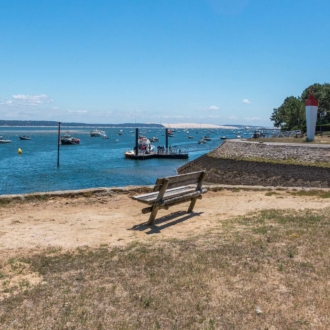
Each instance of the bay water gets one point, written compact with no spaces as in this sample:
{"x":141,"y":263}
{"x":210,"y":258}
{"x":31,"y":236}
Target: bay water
{"x":95,"y":162}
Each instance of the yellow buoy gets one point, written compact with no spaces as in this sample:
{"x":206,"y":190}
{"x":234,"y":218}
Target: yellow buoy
{"x":19,"y":151}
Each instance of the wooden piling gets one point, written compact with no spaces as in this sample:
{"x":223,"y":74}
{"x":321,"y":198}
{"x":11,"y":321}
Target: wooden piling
{"x":136,"y":141}
{"x":58,"y":144}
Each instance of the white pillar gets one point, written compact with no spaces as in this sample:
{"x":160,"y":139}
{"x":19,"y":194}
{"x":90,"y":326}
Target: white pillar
{"x":311,"y":106}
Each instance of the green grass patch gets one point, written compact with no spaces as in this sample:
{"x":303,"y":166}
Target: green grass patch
{"x":310,"y":193}
{"x":271,"y":193}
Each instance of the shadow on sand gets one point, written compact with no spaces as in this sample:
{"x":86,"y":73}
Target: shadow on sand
{"x":163,"y":222}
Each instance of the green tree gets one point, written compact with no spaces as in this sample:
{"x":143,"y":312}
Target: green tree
{"x":322,"y":94}
{"x":290,"y":115}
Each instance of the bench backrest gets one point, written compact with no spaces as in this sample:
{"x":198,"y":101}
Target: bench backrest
{"x":181,"y":180}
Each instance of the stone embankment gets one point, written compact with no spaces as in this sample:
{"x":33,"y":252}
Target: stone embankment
{"x":238,"y":162}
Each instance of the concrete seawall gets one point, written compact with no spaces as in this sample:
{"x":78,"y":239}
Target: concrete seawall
{"x":240,"y":162}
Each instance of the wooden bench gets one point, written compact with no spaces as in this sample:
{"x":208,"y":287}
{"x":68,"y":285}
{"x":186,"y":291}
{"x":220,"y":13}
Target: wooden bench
{"x":173,"y":190}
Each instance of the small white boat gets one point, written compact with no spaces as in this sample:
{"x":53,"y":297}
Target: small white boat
{"x":201,"y":141}
{"x":97,"y":133}
{"x":4,"y":141}
{"x":223,"y":137}
{"x":190,"y":137}
{"x":144,"y":147}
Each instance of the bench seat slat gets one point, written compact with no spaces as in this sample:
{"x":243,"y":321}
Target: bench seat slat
{"x":183,"y":198}
{"x":151,"y":197}
{"x":155,"y":193}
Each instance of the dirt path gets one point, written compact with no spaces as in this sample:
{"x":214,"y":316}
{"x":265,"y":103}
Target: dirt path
{"x":117,"y":220}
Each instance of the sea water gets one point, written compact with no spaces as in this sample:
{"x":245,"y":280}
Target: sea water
{"x":95,"y":162}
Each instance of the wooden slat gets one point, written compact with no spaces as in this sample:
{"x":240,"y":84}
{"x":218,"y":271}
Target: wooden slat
{"x":185,"y":179}
{"x":172,"y":185}
{"x":194,"y":176}
{"x":182,"y":197}
{"x":151,"y":197}
{"x":154,"y":193}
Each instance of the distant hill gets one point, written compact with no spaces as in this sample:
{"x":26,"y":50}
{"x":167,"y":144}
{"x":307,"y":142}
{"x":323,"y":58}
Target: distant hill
{"x":46,"y":123}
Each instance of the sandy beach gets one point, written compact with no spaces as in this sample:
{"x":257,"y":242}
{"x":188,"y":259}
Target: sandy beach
{"x":117,"y":219}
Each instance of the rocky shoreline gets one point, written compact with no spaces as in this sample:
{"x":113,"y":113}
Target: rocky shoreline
{"x":257,"y":173}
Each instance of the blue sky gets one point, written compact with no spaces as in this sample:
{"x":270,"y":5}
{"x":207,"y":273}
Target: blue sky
{"x":162,"y":61}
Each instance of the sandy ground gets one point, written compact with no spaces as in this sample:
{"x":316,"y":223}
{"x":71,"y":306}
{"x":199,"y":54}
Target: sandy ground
{"x":117,"y":219}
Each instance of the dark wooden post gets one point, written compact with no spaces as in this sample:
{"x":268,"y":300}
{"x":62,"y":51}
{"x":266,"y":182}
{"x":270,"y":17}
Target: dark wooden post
{"x":155,"y":207}
{"x":166,"y":140}
{"x":58,"y":144}
{"x":136,"y":141}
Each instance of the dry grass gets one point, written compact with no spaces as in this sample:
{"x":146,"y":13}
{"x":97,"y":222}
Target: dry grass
{"x":312,"y":193}
{"x":269,"y":270}
{"x":325,"y":139}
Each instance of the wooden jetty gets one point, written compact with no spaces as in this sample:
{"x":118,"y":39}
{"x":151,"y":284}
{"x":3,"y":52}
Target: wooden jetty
{"x":162,"y":152}
{"x":165,"y":155}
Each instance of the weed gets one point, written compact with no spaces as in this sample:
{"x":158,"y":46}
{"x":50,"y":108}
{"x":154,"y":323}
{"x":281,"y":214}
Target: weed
{"x":271,"y":193}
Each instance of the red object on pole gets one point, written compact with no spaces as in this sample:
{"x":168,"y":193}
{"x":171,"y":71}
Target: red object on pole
{"x":311,"y":101}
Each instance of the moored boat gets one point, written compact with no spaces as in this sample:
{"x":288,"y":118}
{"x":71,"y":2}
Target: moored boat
{"x":68,"y":139}
{"x":97,"y":133}
{"x":25,"y":137}
{"x":4,"y":141}
{"x":144,"y":147}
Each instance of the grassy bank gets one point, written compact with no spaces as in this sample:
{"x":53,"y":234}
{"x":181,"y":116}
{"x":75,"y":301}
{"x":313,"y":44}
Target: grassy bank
{"x":267,"y":270}
{"x":325,"y":139}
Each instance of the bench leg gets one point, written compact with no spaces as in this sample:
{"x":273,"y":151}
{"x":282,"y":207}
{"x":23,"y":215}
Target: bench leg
{"x":192,"y":205}
{"x":153,"y":215}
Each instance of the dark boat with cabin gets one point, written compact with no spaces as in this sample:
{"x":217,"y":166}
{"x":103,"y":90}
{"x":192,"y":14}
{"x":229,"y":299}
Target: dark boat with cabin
{"x":25,"y":137}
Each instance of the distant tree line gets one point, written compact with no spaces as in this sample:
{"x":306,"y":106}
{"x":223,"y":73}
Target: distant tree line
{"x":55,"y":123}
{"x":291,"y":114}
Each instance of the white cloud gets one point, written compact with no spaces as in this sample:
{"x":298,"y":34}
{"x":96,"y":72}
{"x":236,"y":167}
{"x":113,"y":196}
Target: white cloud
{"x":232,"y":117}
{"x":176,"y":117}
{"x":77,"y":111}
{"x":31,"y":99}
{"x":246,"y":101}
{"x":252,"y":118}
{"x":212,"y":108}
